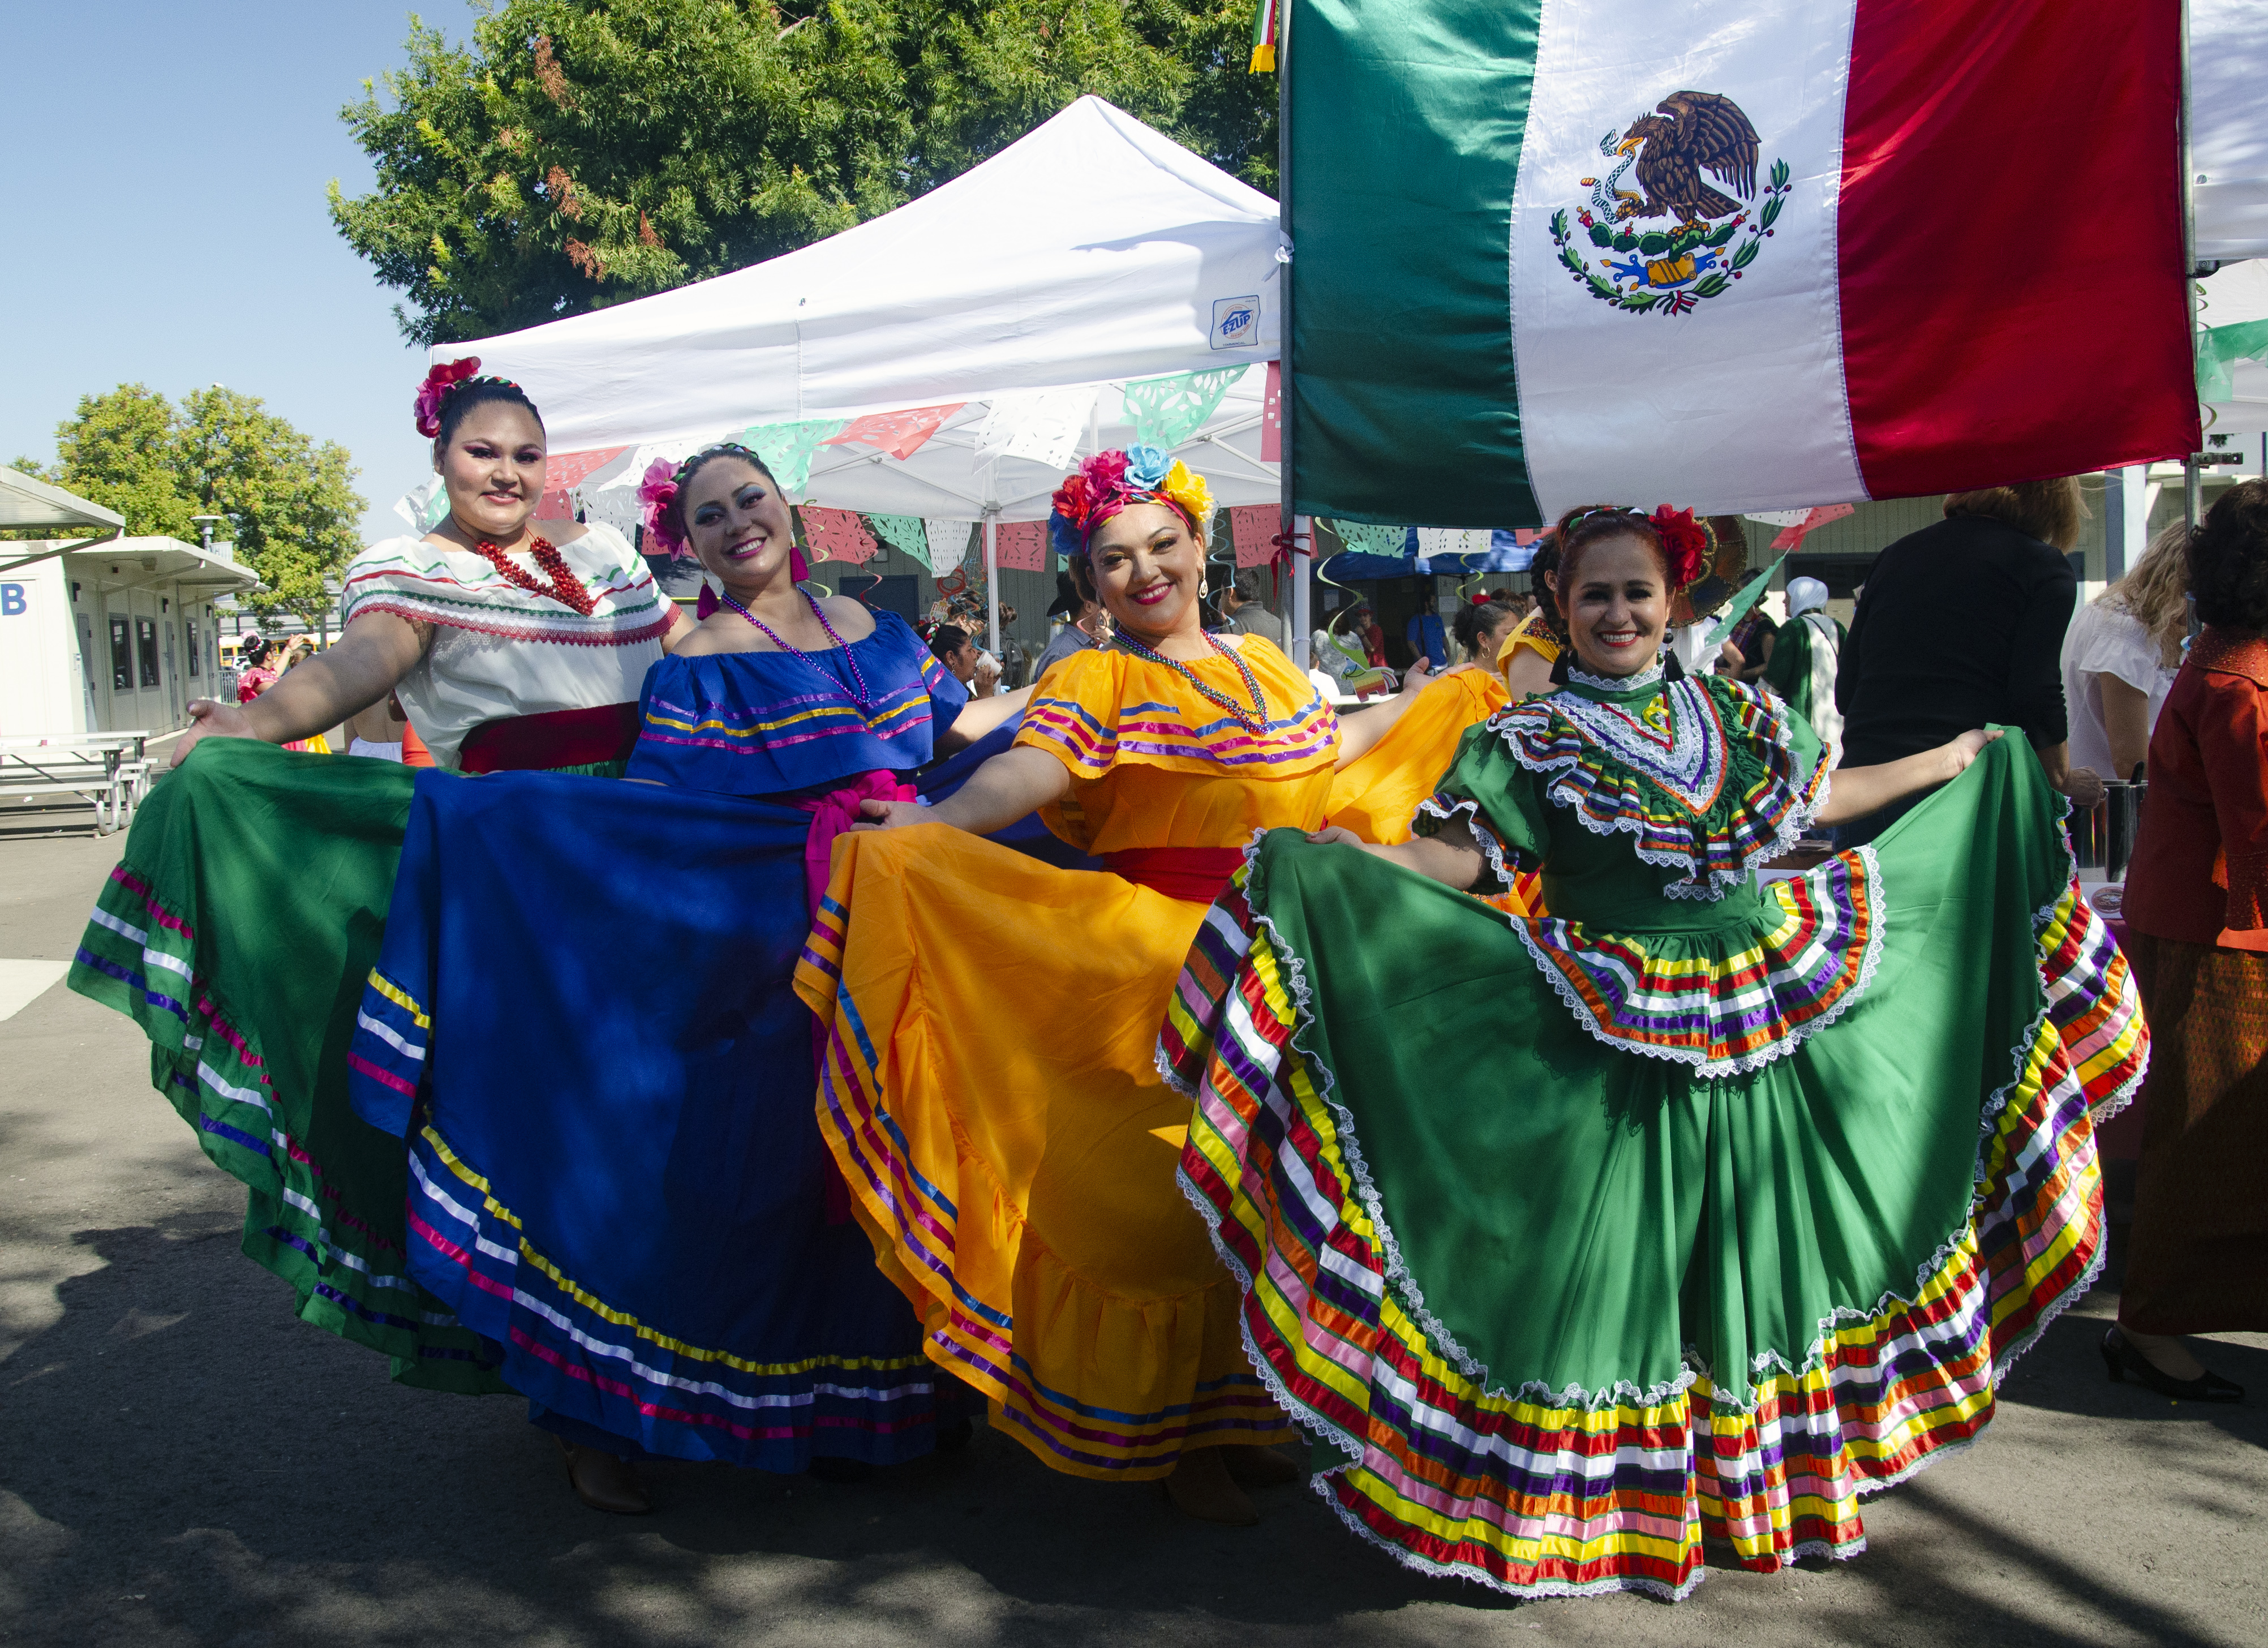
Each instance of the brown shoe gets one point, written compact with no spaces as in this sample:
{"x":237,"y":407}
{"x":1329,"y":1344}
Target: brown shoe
{"x":1200,"y":1487}
{"x":604,"y":1482}
{"x":1259,"y":1467}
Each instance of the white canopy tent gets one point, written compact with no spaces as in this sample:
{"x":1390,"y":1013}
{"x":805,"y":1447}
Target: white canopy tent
{"x":1092,"y":249}
{"x":2229,"y":131}
{"x":1025,"y":296}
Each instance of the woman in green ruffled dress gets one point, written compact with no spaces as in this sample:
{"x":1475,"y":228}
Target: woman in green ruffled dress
{"x":1696,"y":1208}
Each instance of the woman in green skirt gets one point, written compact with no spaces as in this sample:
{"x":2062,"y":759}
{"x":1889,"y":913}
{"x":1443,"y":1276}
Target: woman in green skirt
{"x":1697,"y":1207}
{"x":247,"y":909}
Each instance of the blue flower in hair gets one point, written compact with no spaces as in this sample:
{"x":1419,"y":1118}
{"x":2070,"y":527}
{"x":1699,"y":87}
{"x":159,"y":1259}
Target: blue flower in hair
{"x":1063,"y":538}
{"x":1146,"y":467}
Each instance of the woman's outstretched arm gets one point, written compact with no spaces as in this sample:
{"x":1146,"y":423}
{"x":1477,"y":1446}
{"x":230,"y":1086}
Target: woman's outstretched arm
{"x":1857,"y":790}
{"x":1002,"y":790}
{"x":1454,"y":858}
{"x":370,"y":660}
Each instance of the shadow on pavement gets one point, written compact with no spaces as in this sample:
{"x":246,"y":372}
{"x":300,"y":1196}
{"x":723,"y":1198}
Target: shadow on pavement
{"x":183,"y":1462}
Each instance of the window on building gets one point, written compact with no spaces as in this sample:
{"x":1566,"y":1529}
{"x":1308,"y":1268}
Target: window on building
{"x":121,"y":657}
{"x":145,"y":647}
{"x":189,"y":633}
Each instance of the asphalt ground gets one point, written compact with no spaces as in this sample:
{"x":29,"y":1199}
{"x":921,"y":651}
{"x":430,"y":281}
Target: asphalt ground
{"x":182,"y":1462}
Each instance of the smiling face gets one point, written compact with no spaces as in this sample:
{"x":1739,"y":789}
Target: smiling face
{"x":1148,"y":567}
{"x":493,"y":468}
{"x":738,"y":523}
{"x":1617,"y":606}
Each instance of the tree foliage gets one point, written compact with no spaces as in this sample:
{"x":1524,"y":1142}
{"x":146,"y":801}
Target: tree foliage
{"x":576,"y":154}
{"x":292,"y":507}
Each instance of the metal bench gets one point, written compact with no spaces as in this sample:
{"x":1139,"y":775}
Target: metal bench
{"x":107,"y":770}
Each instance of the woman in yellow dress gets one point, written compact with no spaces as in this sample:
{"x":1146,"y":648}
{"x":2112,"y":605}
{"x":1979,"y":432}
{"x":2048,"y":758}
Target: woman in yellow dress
{"x":991,"y":1023}
{"x":1528,"y":654}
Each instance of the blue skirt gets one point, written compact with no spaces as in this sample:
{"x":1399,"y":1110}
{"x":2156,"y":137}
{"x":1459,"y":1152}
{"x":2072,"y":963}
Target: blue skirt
{"x":582,"y":1023}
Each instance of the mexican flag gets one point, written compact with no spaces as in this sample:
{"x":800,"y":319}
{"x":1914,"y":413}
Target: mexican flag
{"x":1754,"y":254}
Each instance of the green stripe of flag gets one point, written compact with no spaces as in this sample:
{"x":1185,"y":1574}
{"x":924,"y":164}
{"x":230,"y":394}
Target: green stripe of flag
{"x":1405,"y":142}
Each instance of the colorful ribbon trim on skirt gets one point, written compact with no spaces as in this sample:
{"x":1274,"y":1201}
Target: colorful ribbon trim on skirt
{"x":555,"y":739}
{"x":1195,"y":875}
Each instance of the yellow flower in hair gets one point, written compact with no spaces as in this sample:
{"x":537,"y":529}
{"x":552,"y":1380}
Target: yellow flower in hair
{"x":1188,"y":489}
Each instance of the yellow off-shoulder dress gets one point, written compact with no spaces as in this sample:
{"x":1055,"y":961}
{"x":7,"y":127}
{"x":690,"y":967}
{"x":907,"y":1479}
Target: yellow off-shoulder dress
{"x":990,"y":1087}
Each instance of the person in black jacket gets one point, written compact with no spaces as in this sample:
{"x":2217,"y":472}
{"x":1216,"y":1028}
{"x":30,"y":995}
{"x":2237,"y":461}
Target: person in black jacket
{"x":1959,"y":625}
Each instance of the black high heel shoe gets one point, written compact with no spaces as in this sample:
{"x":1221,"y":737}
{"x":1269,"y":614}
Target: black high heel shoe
{"x":2120,"y":1357}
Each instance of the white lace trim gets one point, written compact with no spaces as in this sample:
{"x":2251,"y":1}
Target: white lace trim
{"x":1432,"y":808}
{"x":1645,"y":677}
{"x":1700,"y":1063}
{"x":1555,"y":770}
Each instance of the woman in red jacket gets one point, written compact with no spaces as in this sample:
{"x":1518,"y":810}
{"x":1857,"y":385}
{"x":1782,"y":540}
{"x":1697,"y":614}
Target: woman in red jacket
{"x":2196,"y":915}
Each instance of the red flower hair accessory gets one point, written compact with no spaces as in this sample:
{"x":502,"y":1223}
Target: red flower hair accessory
{"x":1684,"y":542}
{"x":438,"y":381}
{"x":657,"y":492}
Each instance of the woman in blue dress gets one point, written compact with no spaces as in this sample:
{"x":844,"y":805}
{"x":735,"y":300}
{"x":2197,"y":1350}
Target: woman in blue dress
{"x":582,"y":1023}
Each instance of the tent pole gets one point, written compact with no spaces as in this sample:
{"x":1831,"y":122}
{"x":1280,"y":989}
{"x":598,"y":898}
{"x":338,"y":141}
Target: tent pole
{"x":1294,"y":528}
{"x":2190,"y":490}
{"x":992,"y":581}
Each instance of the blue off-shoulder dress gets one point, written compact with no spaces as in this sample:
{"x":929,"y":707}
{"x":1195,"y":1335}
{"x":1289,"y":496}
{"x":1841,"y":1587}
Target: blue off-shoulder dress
{"x":581,"y":1022}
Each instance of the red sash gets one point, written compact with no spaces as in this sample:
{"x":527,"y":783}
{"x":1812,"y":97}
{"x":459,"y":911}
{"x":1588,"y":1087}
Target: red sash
{"x":1193,"y":874}
{"x":557,"y":738}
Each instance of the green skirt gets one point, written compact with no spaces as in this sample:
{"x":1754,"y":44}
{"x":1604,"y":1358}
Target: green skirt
{"x":238,"y":929}
{"x":1555,"y":1308}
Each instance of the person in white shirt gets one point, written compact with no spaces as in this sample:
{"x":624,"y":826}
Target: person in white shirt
{"x":2121,"y":654}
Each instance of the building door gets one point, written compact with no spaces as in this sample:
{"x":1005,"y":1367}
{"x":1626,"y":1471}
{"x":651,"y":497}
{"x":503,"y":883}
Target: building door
{"x":86,"y":656}
{"x":172,"y":681}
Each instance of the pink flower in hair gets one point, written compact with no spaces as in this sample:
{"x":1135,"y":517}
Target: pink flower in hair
{"x":437,"y":382}
{"x":1105,"y":473}
{"x":656,"y":491}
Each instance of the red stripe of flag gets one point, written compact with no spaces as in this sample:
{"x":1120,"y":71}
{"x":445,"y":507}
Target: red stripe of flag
{"x":2011,"y":241}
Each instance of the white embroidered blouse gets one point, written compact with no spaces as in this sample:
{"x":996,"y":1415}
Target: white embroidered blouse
{"x":502,"y":650}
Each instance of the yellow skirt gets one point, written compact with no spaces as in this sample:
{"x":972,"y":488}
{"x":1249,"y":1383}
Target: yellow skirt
{"x":1377,"y":796}
{"x":989,"y":1090}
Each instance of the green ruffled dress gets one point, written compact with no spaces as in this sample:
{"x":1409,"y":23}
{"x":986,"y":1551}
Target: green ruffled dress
{"x":1693,"y":1208}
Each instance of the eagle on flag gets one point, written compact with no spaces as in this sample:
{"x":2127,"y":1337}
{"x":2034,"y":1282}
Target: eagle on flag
{"x":1694,"y":132}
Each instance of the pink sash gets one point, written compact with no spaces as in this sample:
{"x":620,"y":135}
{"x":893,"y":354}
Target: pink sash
{"x":831,"y":814}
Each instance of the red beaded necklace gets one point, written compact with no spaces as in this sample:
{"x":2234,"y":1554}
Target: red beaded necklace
{"x":565,"y":588}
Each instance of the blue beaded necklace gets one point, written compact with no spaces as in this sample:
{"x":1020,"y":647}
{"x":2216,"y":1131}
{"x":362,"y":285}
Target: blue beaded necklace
{"x":859,"y":695}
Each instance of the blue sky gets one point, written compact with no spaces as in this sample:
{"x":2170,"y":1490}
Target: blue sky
{"x":168,"y":166}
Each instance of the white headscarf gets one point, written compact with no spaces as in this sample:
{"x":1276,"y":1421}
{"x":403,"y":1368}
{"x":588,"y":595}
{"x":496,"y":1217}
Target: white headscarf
{"x":1805,"y":594}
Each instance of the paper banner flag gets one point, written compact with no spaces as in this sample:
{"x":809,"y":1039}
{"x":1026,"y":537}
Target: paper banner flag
{"x":1254,"y":527}
{"x":903,"y":534}
{"x":838,"y":535}
{"x":1363,"y":538}
{"x":1167,"y":411}
{"x":1023,"y":546}
{"x":786,"y":448}
{"x":899,"y":434}
{"x":564,"y":470}
{"x":948,"y":543}
{"x":1042,"y":425}
{"x":1271,"y":415}
{"x":422,"y":504}
{"x":1796,"y":532}
{"x":1745,"y":598}
{"x":1452,"y":541}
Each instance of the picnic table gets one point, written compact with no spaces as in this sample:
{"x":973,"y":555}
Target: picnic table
{"x":109,"y":770}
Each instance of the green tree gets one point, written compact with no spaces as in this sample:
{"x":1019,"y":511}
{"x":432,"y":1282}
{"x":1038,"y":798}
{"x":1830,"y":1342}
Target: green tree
{"x":292,"y":504}
{"x":581,"y":153}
